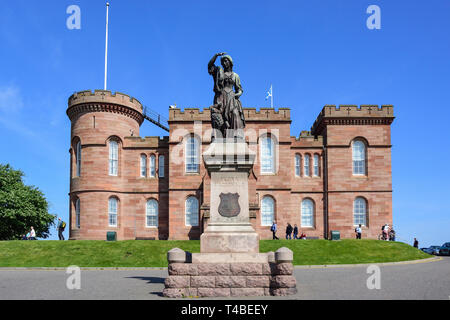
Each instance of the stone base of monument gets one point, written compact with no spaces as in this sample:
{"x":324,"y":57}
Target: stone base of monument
{"x":235,"y":274}
{"x":229,"y":262}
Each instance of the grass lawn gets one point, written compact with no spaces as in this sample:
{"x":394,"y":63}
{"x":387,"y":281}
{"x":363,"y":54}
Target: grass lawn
{"x":136,"y":253}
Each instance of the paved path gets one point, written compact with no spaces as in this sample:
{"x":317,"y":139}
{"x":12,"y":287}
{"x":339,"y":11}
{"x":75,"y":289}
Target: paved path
{"x":425,"y":280}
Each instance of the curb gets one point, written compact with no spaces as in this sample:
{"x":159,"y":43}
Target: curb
{"x":434,"y":259}
{"x":81,"y":268}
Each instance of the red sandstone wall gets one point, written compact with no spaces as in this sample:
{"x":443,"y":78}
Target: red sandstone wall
{"x":95,"y":186}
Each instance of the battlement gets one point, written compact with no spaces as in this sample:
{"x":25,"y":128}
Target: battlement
{"x":147,"y":142}
{"x":306,"y":139}
{"x":250,"y":114}
{"x":104,"y":96}
{"x":352,"y":114}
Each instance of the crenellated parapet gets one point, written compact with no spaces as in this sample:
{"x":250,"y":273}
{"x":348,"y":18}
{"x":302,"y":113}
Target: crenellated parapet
{"x":307,"y":140}
{"x":147,"y":142}
{"x":104,"y":101}
{"x":353,"y":115}
{"x":250,"y":114}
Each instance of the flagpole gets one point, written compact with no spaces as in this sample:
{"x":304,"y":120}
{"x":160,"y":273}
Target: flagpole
{"x":106,"y":43}
{"x":271,"y":96}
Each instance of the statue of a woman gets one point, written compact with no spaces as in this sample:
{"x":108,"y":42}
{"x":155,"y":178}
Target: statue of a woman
{"x":227,"y":90}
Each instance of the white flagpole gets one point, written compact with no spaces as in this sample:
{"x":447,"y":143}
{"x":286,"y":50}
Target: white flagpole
{"x":106,"y":43}
{"x":271,"y":96}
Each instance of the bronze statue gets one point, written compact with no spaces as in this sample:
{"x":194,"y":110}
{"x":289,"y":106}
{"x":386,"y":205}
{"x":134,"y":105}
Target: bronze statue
{"x":227,"y":116}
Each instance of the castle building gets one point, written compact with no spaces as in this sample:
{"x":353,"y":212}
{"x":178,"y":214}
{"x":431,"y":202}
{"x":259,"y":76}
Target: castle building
{"x":333,"y":177}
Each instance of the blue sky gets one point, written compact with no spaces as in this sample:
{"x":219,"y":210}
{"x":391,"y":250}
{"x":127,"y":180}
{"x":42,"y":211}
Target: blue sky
{"x":313,"y":52}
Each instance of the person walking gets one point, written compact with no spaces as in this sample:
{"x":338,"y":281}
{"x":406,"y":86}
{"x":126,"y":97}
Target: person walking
{"x":358,"y":231}
{"x":274,"y":230}
{"x":61,"y":226}
{"x":295,"y":231}
{"x":392,"y":234}
{"x":416,"y":243}
{"x":386,"y":232}
{"x":288,"y":231}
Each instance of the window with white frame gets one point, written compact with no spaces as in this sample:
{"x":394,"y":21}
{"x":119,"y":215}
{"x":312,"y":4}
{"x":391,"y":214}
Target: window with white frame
{"x":267,"y":155}
{"x":192,"y":153}
{"x":113,"y":157}
{"x":306,"y":169}
{"x":77,"y":213}
{"x":307,"y":213}
{"x":267,"y":211}
{"x":143,"y":165}
{"x":298,"y":161}
{"x":359,"y":157}
{"x":152,"y":166}
{"x":151,"y":213}
{"x":112,"y":212}
{"x":316,"y":165}
{"x":161,"y":166}
{"x":359,"y":211}
{"x":191,"y":211}
{"x":78,"y":158}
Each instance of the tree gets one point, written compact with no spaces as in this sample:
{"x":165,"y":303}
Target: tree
{"x":21,"y":207}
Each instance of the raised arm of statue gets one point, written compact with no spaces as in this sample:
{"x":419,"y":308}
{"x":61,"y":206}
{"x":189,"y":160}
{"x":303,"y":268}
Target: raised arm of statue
{"x":211,"y":62}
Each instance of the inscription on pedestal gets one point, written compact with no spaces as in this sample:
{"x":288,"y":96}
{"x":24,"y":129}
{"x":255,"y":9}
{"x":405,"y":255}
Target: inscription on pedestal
{"x":229,"y":205}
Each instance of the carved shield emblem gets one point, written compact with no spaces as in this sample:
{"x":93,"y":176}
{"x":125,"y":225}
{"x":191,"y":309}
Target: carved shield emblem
{"x":229,"y":205}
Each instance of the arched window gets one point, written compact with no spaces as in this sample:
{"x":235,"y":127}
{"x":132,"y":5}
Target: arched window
{"x":191,"y":211}
{"x":152,"y":166}
{"x":359,"y":211}
{"x":151,"y":213}
{"x":161,"y":166}
{"x":306,"y":169}
{"x":298,"y":161}
{"x":359,"y":157}
{"x":77,"y":213}
{"x":316,"y":165}
{"x":307,"y":213}
{"x":112,"y":212}
{"x":143,"y":165}
{"x":113,"y":157}
{"x":78,"y":158}
{"x":267,"y":155}
{"x":267,"y":211}
{"x":192,"y":153}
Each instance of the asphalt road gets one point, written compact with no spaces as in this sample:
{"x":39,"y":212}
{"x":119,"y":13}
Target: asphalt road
{"x":416,"y":281}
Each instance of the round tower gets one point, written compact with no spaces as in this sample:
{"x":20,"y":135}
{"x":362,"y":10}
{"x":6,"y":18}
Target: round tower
{"x":99,"y":122}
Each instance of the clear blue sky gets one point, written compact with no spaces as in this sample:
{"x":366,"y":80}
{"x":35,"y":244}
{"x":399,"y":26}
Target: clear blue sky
{"x":313,"y":52}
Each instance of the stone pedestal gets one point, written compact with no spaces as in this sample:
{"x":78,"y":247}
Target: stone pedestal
{"x":229,"y":262}
{"x":229,"y":229}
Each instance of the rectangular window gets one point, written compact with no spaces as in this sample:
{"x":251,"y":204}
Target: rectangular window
{"x":161,"y":167}
{"x":77,"y":213}
{"x":152,"y":213}
{"x":192,"y":158}
{"x":297,"y":165}
{"x":143,"y":166}
{"x":78,"y":156}
{"x":113,"y":158}
{"x":316,"y":165}
{"x":306,"y":166}
{"x":152,"y":166}
{"x":112,"y":212}
{"x":267,"y":156}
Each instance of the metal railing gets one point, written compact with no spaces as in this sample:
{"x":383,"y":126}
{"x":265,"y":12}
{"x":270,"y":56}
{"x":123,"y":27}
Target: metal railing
{"x":155,"y":118}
